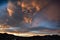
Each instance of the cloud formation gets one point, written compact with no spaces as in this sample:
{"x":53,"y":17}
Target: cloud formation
{"x":44,"y":16}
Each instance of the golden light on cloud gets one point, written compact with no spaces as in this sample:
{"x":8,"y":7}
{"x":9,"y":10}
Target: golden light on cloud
{"x":10,"y":12}
{"x":3,"y":27}
{"x":18,"y":3}
{"x":23,"y":15}
{"x":37,"y":8}
{"x":27,"y":20}
{"x":35,"y":5}
{"x":28,"y":34}
{"x":29,"y":7}
{"x":23,"y":5}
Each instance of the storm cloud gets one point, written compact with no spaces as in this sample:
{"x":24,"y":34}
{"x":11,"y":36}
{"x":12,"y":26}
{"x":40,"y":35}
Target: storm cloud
{"x":47,"y":18}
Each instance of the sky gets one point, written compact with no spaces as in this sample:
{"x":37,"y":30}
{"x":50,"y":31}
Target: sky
{"x":45,"y":16}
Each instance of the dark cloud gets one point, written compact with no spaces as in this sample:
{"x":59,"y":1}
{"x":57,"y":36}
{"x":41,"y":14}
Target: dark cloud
{"x":46,"y":19}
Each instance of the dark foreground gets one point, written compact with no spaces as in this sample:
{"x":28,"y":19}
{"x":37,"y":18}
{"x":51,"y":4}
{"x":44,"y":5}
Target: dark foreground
{"x":12,"y":37}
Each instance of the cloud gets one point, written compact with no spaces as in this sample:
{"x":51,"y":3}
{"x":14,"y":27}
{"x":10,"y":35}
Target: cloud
{"x":46,"y":19}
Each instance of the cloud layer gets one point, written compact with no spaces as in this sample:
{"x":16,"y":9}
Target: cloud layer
{"x":47,"y":18}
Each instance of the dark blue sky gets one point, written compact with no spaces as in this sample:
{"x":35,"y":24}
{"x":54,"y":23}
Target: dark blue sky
{"x":3,"y":2}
